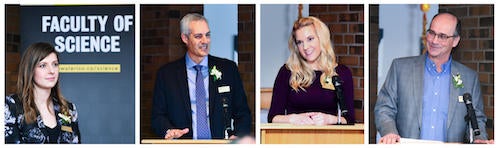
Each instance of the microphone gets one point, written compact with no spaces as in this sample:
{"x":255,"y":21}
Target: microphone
{"x":340,"y":95}
{"x":471,"y":114}
{"x":227,"y":116}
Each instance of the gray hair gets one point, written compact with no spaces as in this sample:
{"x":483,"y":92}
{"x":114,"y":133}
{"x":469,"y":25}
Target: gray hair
{"x":188,"y":18}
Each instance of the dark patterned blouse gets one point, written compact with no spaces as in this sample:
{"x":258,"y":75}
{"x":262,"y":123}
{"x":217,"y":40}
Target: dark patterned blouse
{"x":17,"y":131}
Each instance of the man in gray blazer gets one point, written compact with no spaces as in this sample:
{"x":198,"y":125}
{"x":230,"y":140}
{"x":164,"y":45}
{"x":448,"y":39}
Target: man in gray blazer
{"x":422,"y":95}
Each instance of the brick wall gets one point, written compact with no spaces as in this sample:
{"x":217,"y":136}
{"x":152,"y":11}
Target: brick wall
{"x":12,"y":45}
{"x":246,"y":53}
{"x":373,"y":64}
{"x":475,"y":49}
{"x":346,"y":23}
{"x":161,"y":43}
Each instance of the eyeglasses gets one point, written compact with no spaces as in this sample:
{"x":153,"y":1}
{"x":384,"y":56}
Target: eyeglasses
{"x":441,"y":37}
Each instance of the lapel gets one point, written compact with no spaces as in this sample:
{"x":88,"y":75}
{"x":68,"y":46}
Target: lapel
{"x":418,"y":77}
{"x":181,"y":80}
{"x":454,"y":93}
{"x":212,"y":85}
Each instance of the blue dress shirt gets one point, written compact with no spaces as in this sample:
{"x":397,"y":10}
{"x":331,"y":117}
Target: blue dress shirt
{"x":191,"y":75}
{"x":435,"y":101}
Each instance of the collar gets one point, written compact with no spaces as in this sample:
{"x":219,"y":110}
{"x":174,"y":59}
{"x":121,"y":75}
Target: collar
{"x":431,"y":66}
{"x":190,"y":63}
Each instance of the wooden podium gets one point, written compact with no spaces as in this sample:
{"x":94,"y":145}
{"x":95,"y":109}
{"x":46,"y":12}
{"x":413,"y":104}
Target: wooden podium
{"x":184,"y":141}
{"x":277,"y":133}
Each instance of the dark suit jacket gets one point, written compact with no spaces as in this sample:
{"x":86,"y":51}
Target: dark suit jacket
{"x":172,"y":108}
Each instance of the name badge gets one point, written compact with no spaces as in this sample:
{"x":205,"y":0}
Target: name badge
{"x":224,"y":89}
{"x":326,"y":82}
{"x":461,"y":99}
{"x":66,"y":128}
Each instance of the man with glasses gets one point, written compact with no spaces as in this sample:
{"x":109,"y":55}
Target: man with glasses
{"x":199,"y":95}
{"x":422,"y":95}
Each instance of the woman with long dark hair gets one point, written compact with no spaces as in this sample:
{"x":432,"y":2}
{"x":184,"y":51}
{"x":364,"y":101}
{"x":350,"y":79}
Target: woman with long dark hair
{"x":38,"y":112}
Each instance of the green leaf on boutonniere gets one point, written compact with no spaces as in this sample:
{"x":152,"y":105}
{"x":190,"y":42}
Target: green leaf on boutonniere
{"x":65,"y":119}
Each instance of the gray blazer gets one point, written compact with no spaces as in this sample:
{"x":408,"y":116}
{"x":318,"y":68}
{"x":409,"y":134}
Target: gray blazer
{"x":399,"y":105}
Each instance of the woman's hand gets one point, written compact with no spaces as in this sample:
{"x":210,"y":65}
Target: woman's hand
{"x":320,"y":118}
{"x":309,"y":118}
{"x":301,"y":119}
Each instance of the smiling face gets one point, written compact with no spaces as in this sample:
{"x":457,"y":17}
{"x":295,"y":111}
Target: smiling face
{"x":440,"y":49}
{"x":46,"y":72}
{"x":197,"y":41}
{"x":308,"y":44}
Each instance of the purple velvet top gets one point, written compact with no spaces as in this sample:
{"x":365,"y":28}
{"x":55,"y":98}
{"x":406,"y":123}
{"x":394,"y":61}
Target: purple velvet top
{"x":315,"y":99}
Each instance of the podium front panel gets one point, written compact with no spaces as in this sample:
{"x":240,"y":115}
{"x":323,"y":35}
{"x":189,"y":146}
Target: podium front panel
{"x":273,"y":133}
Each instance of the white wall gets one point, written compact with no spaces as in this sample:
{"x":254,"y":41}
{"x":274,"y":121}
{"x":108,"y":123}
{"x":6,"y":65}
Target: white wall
{"x":402,"y":26}
{"x":276,"y":25}
{"x":223,"y":23}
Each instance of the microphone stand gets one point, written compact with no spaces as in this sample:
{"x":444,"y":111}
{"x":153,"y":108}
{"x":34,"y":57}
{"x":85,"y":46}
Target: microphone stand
{"x":228,"y":132}
{"x":339,"y":114}
{"x":472,"y":134}
{"x":341,"y":109}
{"x":470,"y":118}
{"x":471,"y":137}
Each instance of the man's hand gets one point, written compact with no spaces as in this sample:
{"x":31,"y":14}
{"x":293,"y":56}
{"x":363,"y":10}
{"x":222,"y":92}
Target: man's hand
{"x":175,"y":133}
{"x":480,"y":141}
{"x":233,"y":137}
{"x":390,"y":139}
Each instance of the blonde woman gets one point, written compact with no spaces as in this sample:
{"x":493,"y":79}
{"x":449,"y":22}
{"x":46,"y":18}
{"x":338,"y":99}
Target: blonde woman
{"x":38,"y":113}
{"x":303,"y":93}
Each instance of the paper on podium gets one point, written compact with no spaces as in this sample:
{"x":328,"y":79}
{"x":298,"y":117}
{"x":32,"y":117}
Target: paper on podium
{"x":417,"y":141}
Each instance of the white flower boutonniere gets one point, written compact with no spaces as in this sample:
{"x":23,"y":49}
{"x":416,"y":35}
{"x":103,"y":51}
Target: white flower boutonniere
{"x":457,"y":81}
{"x":65,"y":118}
{"x":215,"y":73}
